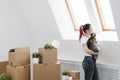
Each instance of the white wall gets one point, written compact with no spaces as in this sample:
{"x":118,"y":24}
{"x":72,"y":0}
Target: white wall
{"x":40,"y":19}
{"x":14,"y":31}
{"x":25,"y":23}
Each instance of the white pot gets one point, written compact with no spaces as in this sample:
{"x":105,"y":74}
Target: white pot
{"x":35,"y":60}
{"x":65,"y":77}
{"x":70,"y":78}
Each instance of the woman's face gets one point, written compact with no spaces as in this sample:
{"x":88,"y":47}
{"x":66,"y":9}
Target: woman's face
{"x":89,"y":31}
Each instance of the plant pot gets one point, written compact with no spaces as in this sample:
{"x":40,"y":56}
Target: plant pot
{"x":65,"y":77}
{"x":35,"y":60}
{"x":70,"y":78}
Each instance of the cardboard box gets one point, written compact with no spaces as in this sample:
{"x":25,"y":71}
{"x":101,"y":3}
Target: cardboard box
{"x":75,"y":75}
{"x":19,"y":56}
{"x":3,"y":67}
{"x":46,"y":72}
{"x":19,"y":72}
{"x":49,"y":56}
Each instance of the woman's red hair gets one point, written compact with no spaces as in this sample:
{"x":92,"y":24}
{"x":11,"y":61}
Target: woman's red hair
{"x":81,"y":32}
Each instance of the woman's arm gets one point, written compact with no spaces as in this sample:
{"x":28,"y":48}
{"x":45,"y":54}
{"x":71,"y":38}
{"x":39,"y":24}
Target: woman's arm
{"x":88,"y":50}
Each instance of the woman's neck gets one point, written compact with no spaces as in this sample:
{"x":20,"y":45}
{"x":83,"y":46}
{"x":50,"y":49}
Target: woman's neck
{"x":87,"y":35}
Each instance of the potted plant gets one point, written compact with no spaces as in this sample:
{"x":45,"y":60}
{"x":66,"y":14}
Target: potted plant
{"x":36,"y":56}
{"x":65,"y":75}
{"x":49,"y":46}
{"x":4,"y":76}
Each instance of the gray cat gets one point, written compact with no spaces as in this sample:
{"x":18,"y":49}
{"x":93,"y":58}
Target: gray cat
{"x":91,"y":44}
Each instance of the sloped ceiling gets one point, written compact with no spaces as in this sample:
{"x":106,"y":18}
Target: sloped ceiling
{"x":39,"y":19}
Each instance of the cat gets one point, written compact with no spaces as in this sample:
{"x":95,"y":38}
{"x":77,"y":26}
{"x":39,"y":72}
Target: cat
{"x":91,"y":44}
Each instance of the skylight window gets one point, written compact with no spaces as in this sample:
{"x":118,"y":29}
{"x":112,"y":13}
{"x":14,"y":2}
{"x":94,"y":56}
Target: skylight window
{"x":80,"y":15}
{"x":71,"y":14}
{"x":105,"y":16}
{"x":78,"y":12}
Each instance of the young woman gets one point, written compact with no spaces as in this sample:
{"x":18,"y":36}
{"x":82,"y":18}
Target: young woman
{"x":88,"y":63}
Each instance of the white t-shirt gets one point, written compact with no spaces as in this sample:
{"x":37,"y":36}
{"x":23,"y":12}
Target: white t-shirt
{"x":84,"y":41}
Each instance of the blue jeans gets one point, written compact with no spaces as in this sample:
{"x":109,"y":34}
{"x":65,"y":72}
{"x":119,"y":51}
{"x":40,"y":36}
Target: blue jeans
{"x":90,"y":69}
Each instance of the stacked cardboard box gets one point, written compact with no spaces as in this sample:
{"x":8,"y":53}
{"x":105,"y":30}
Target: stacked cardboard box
{"x":19,"y":72}
{"x":3,"y":67}
{"x":75,"y":75}
{"x":48,"y":69}
{"x":19,"y":63}
{"x":46,"y":72}
{"x":49,"y":56}
{"x":19,"y":56}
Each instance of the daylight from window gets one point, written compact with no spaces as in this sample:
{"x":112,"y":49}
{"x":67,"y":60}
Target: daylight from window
{"x":107,"y":14}
{"x":79,"y":12}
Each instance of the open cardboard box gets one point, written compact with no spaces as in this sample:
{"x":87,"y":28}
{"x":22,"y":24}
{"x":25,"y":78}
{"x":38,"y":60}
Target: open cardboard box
{"x":19,"y":56}
{"x":75,"y":75}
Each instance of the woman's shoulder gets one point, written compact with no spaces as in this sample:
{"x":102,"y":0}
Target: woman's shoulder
{"x":84,"y":39}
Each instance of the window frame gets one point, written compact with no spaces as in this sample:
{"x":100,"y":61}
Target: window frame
{"x":71,"y":15}
{"x":100,"y":15}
